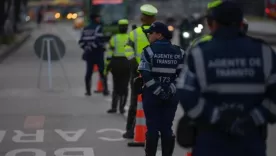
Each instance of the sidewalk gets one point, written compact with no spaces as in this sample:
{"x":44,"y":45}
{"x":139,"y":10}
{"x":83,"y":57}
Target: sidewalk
{"x":6,"y":50}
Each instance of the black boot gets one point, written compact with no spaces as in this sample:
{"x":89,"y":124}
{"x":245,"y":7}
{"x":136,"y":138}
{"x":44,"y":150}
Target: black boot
{"x":123,"y":101}
{"x":151,"y":145}
{"x":105,"y":85}
{"x":88,"y":88}
{"x":128,"y":135}
{"x":167,"y":145}
{"x":114,"y":103}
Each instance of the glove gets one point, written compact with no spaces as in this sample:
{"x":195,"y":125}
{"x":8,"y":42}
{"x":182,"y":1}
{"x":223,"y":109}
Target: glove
{"x":163,"y":95}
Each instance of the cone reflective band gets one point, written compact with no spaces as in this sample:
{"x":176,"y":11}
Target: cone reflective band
{"x":140,"y":125}
{"x":99,"y":86}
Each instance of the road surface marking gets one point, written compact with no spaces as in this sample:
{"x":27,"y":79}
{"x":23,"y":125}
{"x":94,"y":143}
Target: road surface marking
{"x":34,"y":122}
{"x":110,"y":130}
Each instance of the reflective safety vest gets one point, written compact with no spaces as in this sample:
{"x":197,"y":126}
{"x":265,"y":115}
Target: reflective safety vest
{"x":137,"y":41}
{"x":118,"y":42}
{"x":203,"y":38}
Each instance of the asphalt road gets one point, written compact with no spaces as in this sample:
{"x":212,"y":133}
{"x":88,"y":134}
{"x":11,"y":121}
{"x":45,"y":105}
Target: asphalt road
{"x":61,"y":121}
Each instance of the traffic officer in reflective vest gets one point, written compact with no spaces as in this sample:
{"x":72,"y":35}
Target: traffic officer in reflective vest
{"x":137,"y":41}
{"x":160,"y":65}
{"x":120,"y":68}
{"x":228,"y":87}
{"x":92,"y":42}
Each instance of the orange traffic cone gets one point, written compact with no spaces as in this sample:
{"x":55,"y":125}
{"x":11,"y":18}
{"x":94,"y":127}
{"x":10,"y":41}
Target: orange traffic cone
{"x":189,"y":153}
{"x":95,"y":69}
{"x":140,"y":125}
{"x":99,"y":86}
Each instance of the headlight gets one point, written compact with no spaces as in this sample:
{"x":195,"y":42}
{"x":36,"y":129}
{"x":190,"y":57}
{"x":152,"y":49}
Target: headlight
{"x":197,"y":30}
{"x":186,"y":34}
{"x":69,"y":16}
{"x":74,"y":16}
{"x":57,"y":15}
{"x":171,"y":28}
{"x":200,"y":26}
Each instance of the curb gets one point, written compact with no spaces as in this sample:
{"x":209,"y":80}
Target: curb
{"x":11,"y":49}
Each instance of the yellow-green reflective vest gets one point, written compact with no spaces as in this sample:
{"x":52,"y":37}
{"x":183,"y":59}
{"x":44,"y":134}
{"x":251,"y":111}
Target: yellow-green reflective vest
{"x":138,"y":41}
{"x":118,"y":43}
{"x":203,"y":38}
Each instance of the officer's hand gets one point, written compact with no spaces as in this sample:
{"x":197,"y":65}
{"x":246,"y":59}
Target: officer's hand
{"x":163,"y":95}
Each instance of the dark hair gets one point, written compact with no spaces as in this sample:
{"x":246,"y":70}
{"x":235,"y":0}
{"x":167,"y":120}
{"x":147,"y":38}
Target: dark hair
{"x":123,"y":28}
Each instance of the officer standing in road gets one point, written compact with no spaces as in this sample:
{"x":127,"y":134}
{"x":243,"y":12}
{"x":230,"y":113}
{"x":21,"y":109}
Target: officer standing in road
{"x":228,"y":87}
{"x":92,"y":42}
{"x":160,"y":65}
{"x":137,"y":41}
{"x":120,"y":68}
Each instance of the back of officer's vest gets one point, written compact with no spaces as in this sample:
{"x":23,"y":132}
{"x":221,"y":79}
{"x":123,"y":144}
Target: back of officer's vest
{"x":140,"y":39}
{"x":120,"y":41}
{"x":231,"y":72}
{"x":165,"y":61}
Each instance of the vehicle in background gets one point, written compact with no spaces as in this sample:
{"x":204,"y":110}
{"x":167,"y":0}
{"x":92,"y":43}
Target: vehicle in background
{"x":190,"y":29}
{"x":270,"y":9}
{"x":110,"y":11}
{"x":55,"y":9}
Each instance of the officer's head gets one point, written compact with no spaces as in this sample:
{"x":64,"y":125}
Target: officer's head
{"x":148,"y":13}
{"x":158,"y":31}
{"x":95,"y":18}
{"x":223,"y":13}
{"x":123,"y":25}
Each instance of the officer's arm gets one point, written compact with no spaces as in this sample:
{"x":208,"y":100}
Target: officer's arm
{"x":82,"y":41}
{"x":189,"y":93}
{"x":111,"y":43}
{"x":99,"y":32}
{"x":130,"y":41}
{"x":266,"y":112}
{"x":144,"y":68}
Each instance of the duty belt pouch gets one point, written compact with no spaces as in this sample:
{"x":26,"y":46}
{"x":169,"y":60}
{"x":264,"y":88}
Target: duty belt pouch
{"x":186,"y":132}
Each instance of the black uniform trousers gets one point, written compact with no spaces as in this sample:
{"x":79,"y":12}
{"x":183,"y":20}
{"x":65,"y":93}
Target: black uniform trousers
{"x":120,"y":69}
{"x":90,"y":62}
{"x":133,"y":98}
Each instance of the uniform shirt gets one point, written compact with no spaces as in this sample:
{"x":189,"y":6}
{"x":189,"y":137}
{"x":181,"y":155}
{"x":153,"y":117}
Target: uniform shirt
{"x":160,"y":65}
{"x":229,"y":72}
{"x":92,"y":37}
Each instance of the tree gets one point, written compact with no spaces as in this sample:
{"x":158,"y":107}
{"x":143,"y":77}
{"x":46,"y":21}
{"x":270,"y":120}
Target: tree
{"x":5,"y":6}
